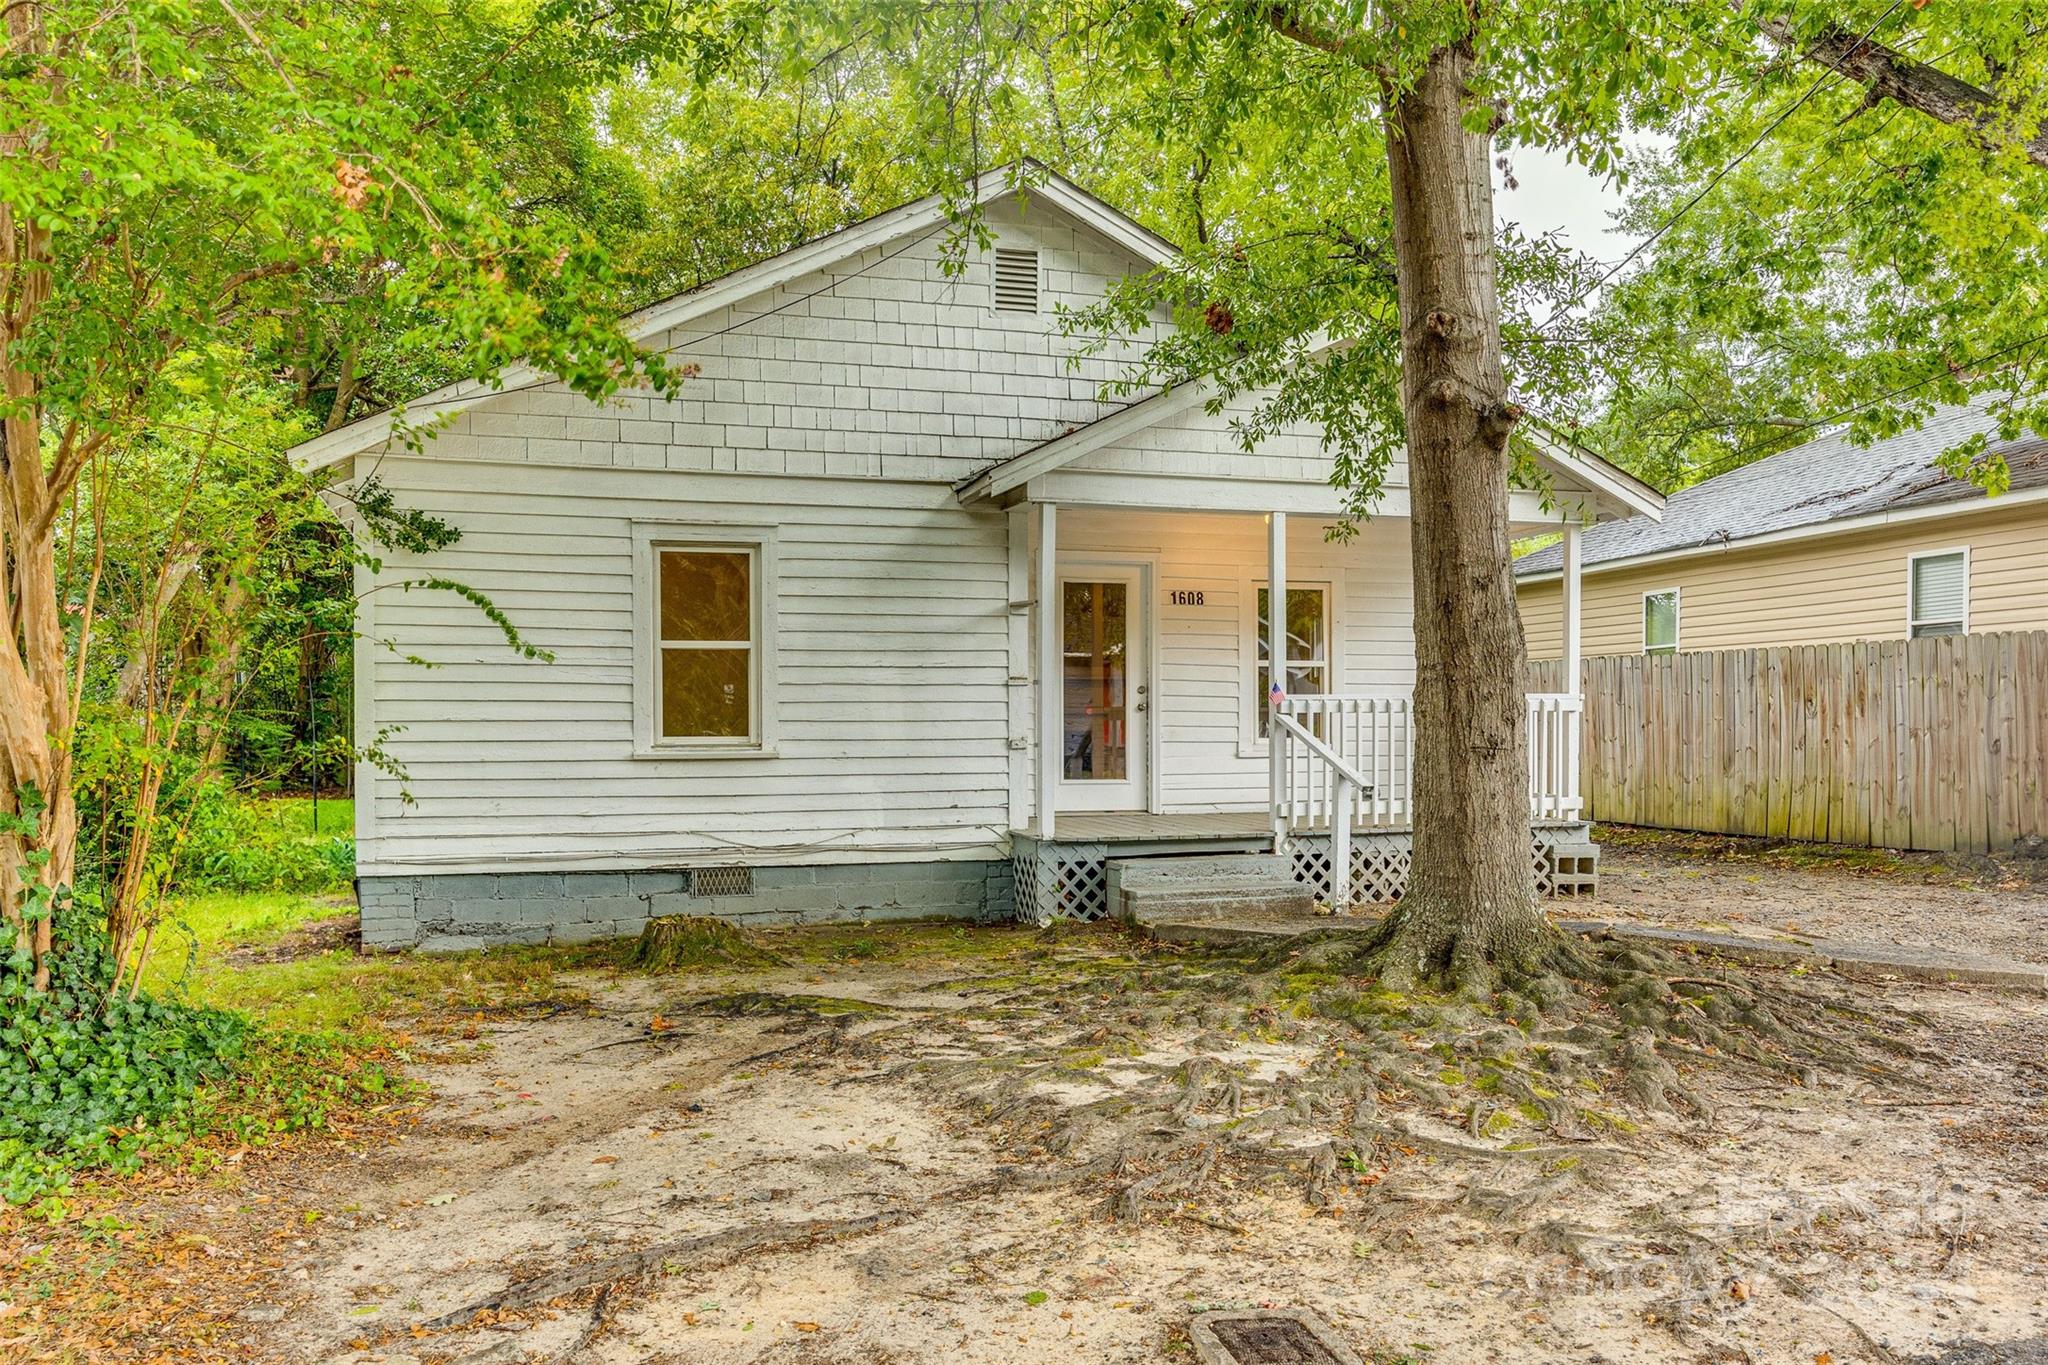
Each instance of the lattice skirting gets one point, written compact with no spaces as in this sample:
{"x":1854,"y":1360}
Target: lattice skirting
{"x":1562,"y":862}
{"x":1061,"y":881}
{"x":1070,"y":880}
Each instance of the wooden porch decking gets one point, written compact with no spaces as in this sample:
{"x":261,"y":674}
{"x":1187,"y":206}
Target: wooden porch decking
{"x":1144,"y":827}
{"x":1124,"y":827}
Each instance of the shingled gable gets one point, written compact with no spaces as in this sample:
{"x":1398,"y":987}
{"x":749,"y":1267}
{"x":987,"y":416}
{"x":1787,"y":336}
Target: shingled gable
{"x":1030,"y":181}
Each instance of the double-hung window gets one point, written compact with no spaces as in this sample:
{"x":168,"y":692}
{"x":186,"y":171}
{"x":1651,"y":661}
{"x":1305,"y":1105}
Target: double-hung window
{"x":1938,"y":593}
{"x":1308,"y":649}
{"x":1660,"y":622}
{"x":702,"y":664}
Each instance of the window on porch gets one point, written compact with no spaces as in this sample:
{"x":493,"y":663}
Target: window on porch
{"x":1308,"y":649}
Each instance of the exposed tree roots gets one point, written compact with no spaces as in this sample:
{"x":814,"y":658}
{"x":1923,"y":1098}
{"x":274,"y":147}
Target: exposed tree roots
{"x":1545,"y":1066}
{"x":710,"y":1251}
{"x":1160,"y":1076}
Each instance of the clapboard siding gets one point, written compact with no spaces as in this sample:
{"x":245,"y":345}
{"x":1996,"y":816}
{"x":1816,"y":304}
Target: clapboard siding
{"x":1821,"y":590}
{"x":522,"y":758}
{"x":1198,"y":443}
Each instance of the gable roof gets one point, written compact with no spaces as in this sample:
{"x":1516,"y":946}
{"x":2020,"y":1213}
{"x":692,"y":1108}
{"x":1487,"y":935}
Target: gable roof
{"x":1807,"y":488}
{"x":1029,"y":180}
{"x":1608,"y":487}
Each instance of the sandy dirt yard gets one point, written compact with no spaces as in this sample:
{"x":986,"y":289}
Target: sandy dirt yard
{"x":920,"y":1145}
{"x":1973,"y":906}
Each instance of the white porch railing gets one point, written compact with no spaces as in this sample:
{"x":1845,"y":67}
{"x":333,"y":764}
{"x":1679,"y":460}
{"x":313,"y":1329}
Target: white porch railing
{"x":1554,"y":755}
{"x":1348,"y":763}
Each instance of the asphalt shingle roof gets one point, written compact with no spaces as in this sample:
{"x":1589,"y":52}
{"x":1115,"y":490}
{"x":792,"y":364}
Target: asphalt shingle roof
{"x":1828,"y":479}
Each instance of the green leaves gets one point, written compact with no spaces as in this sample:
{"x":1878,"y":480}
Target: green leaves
{"x":1864,"y":263}
{"x":86,"y":1080}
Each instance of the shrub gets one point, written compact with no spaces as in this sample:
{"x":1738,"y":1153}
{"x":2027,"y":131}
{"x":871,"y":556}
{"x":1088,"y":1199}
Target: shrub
{"x":93,"y":1083}
{"x":86,"y":1080}
{"x":238,"y":844}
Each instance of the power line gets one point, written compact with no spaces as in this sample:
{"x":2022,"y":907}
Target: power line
{"x":1671,"y":221}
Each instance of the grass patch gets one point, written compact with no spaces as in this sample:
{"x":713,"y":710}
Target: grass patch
{"x":337,"y":989}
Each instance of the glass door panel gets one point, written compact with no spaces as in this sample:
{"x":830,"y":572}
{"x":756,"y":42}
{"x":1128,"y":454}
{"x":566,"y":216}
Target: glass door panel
{"x":1096,"y":653}
{"x":1103,"y":713}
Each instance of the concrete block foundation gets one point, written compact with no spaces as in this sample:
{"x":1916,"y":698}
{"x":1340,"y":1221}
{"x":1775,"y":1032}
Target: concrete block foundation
{"x":455,"y":912}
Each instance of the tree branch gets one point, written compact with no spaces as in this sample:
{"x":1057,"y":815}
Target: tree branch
{"x":1289,"y":23}
{"x":1890,"y":74}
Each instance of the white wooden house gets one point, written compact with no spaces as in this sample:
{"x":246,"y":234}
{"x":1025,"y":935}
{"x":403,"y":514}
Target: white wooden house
{"x":798,"y":615}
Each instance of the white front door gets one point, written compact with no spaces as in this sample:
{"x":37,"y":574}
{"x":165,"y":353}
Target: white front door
{"x":1105,"y":687}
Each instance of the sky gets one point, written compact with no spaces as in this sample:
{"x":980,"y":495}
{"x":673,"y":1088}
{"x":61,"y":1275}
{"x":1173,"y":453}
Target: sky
{"x":1552,"y":192}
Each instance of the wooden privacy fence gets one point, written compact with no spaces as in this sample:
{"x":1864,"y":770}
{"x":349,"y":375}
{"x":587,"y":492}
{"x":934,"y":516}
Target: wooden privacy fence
{"x":1934,"y":744}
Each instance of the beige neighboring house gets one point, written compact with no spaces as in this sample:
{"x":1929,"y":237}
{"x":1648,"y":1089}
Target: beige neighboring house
{"x":1824,"y":543}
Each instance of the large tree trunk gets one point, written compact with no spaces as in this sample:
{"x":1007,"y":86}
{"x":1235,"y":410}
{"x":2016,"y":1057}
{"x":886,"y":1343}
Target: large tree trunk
{"x":1471,"y":900}
{"x":35,"y":691}
{"x":35,"y":673}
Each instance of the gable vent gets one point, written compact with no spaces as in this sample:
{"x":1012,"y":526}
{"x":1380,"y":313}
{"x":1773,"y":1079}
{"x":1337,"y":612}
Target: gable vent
{"x":1016,"y":279}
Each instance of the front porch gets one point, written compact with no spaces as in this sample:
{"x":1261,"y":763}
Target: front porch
{"x":1207,"y":656}
{"x":1165,"y":736}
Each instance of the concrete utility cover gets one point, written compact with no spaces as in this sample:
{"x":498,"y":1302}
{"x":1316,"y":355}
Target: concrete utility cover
{"x":1268,"y":1336}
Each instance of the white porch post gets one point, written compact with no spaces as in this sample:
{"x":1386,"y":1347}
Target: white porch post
{"x":1570,"y":582}
{"x":1276,"y":664}
{"x":1049,"y":670}
{"x":1574,"y":719}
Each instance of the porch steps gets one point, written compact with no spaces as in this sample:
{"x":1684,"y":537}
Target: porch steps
{"x":1232,"y":886}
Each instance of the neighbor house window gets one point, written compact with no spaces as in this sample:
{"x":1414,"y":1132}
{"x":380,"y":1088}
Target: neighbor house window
{"x":702,"y":668}
{"x":1660,"y":622}
{"x":1938,"y":593}
{"x":1308,"y":649}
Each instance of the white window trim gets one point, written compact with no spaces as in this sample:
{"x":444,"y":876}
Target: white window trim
{"x":650,"y":538}
{"x":1251,"y":631}
{"x":1677,"y":596}
{"x":1912,"y":562}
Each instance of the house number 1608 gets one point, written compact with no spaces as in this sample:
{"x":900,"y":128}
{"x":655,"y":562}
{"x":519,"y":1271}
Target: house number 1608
{"x":1184,"y":597}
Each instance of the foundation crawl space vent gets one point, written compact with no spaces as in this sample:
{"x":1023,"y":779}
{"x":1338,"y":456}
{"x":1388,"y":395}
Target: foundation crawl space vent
{"x":722,"y":881}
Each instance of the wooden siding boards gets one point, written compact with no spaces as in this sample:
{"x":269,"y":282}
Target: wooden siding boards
{"x":839,"y":410}
{"x":1201,"y":657}
{"x":894,"y":681}
{"x":1937,"y":744}
{"x":1820,"y":590}
{"x":516,"y":762}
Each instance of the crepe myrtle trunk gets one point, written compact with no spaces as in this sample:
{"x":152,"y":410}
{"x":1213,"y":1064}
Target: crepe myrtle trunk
{"x":1470,"y":903}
